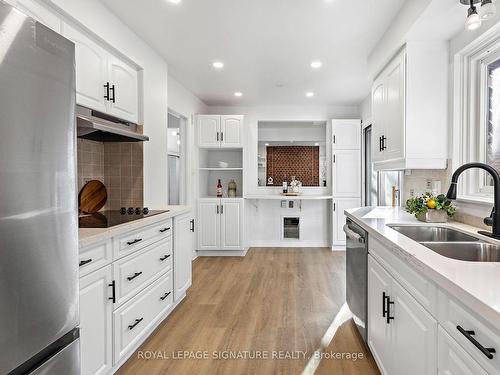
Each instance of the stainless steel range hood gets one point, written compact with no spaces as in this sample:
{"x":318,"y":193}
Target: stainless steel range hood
{"x":97,"y":126}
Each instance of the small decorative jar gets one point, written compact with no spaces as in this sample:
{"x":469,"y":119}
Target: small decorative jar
{"x":231,"y":189}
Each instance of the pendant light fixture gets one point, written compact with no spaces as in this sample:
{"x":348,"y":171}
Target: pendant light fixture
{"x":473,"y":20}
{"x":475,"y":17}
{"x":488,"y":9}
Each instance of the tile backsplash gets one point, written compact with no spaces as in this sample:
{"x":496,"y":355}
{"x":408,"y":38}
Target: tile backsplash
{"x":118,"y":165}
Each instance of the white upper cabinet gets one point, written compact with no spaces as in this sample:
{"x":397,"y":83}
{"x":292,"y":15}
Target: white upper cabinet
{"x":216,"y":131}
{"x":91,"y":70}
{"x":346,"y":134}
{"x":230,"y":129}
{"x":409,"y":109}
{"x":124,"y":101}
{"x":38,"y":12}
{"x":346,"y":173}
{"x":103,"y":81}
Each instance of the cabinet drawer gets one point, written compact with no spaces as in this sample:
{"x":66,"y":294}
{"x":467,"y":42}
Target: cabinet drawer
{"x":135,"y":319}
{"x":132,"y":241}
{"x":453,"y":359}
{"x":95,"y":256}
{"x":136,"y":271}
{"x":421,"y":288}
{"x":453,"y":315}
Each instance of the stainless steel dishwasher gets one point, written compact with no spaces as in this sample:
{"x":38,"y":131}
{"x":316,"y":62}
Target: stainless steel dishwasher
{"x":357,"y":274}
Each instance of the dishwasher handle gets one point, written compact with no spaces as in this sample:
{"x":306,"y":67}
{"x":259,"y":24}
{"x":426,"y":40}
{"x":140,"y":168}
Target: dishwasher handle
{"x":353,"y":235}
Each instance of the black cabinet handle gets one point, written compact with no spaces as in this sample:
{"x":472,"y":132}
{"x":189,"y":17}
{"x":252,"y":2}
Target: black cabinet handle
{"x":106,"y":95}
{"x":192,"y":225}
{"x":113,"y":291}
{"x":137,"y":321}
{"x":164,"y":230}
{"x":384,"y":138}
{"x":221,"y":209}
{"x":113,"y":90}
{"x":130,"y":278}
{"x":222,"y":136}
{"x":134,"y":241}
{"x":334,"y":139}
{"x":217,"y":209}
{"x":388,"y":317}
{"x":165,"y":257}
{"x":84,"y":262}
{"x":488,"y":352}
{"x":165,"y":296}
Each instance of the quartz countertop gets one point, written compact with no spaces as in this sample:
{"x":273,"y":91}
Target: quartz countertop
{"x":475,"y":284}
{"x":88,"y":236}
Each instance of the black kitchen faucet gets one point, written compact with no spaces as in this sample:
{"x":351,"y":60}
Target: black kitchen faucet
{"x":494,"y":219}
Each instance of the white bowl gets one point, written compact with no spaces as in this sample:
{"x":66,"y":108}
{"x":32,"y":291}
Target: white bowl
{"x":223,"y":164}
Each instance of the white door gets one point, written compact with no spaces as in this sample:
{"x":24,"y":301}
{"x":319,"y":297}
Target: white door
{"x":208,"y":130}
{"x":378,"y":121}
{"x":453,"y":360}
{"x":346,"y":134}
{"x":96,"y":329}
{"x":183,"y":254}
{"x":339,"y":205}
{"x":414,"y":335}
{"x":91,"y":70}
{"x":346,"y":174}
{"x":124,"y":95}
{"x":379,"y":332}
{"x":39,"y":12}
{"x":395,"y":110}
{"x":231,"y":128}
{"x":231,"y":224}
{"x":209,"y":224}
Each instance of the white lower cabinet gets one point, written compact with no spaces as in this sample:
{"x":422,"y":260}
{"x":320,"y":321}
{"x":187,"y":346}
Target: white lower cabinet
{"x":184,"y":227}
{"x":339,"y":206}
{"x":96,"y":328}
{"x":453,"y":359}
{"x":220,"y":224}
{"x":401,"y":334}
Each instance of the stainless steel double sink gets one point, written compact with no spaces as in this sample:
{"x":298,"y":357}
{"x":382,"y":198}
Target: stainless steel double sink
{"x":451,"y":243}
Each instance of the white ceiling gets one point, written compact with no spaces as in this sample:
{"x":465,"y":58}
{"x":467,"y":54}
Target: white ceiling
{"x":266,"y":45}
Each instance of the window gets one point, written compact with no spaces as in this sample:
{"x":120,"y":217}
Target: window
{"x":477,"y":116}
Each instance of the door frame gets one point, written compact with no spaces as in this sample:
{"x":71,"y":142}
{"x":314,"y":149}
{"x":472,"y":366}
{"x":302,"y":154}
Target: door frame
{"x":185,"y":194}
{"x":365,"y":124}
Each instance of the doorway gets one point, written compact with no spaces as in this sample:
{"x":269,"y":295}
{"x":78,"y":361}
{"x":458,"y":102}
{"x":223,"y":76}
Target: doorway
{"x":176,"y":152}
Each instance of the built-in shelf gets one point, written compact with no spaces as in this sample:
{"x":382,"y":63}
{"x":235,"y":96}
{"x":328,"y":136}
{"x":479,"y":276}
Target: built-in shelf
{"x":221,"y":169}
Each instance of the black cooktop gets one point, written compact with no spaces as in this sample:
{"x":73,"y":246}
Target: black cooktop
{"x":106,"y":219}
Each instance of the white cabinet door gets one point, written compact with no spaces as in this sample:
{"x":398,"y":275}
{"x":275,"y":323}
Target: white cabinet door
{"x":183,"y":254}
{"x":378,"y":121}
{"x":346,"y":175}
{"x":231,"y":224}
{"x":346,"y":134}
{"x":39,"y":13}
{"x":231,"y":128}
{"x":379,"y":332}
{"x":414,"y":335}
{"x":453,"y":360}
{"x":339,"y":206}
{"x":96,"y":329}
{"x":124,"y":95}
{"x":209,"y":224}
{"x":91,"y":70}
{"x":394,"y":113}
{"x":208,"y":130}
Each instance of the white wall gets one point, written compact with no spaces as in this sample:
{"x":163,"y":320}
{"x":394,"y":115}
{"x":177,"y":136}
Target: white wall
{"x":99,"y":20}
{"x":365,"y":110}
{"x":263,"y":223}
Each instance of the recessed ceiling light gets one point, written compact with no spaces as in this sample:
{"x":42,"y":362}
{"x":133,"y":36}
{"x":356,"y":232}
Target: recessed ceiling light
{"x":309,"y":94}
{"x":218,"y":65}
{"x":316,"y":64}
{"x":174,"y":1}
{"x":237,"y":93}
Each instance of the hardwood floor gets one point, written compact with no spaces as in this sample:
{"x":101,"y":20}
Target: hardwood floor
{"x":273,"y":302}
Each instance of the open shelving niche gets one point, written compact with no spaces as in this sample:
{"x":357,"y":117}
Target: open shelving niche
{"x":209,"y":171}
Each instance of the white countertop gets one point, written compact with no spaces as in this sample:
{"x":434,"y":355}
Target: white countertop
{"x":87,"y":236}
{"x":475,"y":284}
{"x":287,"y":197}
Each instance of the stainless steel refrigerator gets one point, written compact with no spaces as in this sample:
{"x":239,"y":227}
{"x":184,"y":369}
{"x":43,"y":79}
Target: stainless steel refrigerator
{"x":38,"y":210}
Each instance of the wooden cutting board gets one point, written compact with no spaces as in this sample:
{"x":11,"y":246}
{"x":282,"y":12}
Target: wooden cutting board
{"x":92,"y":197}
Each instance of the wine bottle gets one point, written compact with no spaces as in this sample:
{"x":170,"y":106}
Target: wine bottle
{"x":219,"y":189}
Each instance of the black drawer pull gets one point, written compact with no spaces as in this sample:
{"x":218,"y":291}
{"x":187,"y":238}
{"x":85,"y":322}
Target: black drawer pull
{"x":134,"y":241}
{"x":165,"y":257}
{"x":84,"y":262}
{"x":130,"y":278}
{"x":488,"y":352}
{"x":165,"y":296}
{"x":137,"y":321}
{"x":164,"y":230}
{"x":113,"y":288}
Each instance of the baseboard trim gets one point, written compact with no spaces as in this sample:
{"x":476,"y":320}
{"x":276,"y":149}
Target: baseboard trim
{"x":290,"y":244}
{"x":222,"y":253}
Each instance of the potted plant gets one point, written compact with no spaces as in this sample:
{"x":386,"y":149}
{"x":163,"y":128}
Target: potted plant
{"x":431,"y":209}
